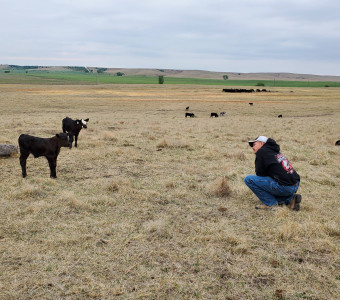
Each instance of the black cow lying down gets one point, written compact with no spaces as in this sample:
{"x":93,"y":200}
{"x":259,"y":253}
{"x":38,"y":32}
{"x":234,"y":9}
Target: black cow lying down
{"x":73,"y":127}
{"x":48,"y":147}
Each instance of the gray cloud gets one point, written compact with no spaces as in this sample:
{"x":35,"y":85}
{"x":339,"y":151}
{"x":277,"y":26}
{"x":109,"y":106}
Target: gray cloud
{"x":241,"y":36}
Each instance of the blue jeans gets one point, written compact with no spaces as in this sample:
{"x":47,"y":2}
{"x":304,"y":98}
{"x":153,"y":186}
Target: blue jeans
{"x":269,"y":191}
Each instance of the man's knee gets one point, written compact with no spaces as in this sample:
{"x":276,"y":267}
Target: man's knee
{"x":248,"y":179}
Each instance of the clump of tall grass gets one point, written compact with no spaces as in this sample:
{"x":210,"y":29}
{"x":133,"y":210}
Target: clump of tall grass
{"x":158,"y":228}
{"x":71,"y":200}
{"x":332,"y":229}
{"x":28,"y":190}
{"x":113,"y":186}
{"x":170,"y":185}
{"x":163,"y":144}
{"x":293,"y":231}
{"x":220,"y":188}
{"x":117,"y":185}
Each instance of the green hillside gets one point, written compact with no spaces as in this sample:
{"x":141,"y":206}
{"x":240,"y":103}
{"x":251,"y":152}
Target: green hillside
{"x":80,"y":75}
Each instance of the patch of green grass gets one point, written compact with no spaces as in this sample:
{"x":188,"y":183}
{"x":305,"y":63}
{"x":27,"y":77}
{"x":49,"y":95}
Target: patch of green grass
{"x":45,"y":77}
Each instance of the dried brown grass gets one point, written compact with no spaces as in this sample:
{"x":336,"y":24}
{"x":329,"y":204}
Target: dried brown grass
{"x":153,"y":206}
{"x":220,"y":188}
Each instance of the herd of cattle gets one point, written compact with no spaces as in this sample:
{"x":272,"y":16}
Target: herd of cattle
{"x":221,"y":114}
{"x":244,"y":90}
{"x":215,"y":115}
{"x":50,"y":147}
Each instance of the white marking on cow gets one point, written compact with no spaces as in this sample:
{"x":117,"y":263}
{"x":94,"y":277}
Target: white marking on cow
{"x":83,"y":121}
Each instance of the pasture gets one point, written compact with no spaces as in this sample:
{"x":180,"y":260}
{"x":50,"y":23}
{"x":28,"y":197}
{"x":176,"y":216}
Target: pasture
{"x":69,"y":77}
{"x":152,"y":205}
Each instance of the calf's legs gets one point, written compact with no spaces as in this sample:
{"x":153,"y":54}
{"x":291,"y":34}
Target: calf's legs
{"x":23,"y":158}
{"x":52,"y":161}
{"x":75,"y":140}
{"x":70,"y":140}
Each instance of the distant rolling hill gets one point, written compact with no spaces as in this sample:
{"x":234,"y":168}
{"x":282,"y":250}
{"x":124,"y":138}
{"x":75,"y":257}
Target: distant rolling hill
{"x":177,"y":73}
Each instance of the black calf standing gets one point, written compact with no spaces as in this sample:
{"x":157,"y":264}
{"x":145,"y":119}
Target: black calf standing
{"x":73,"y":127}
{"x":48,"y":147}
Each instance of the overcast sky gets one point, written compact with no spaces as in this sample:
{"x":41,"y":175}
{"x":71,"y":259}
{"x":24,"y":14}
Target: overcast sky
{"x":297,"y":36}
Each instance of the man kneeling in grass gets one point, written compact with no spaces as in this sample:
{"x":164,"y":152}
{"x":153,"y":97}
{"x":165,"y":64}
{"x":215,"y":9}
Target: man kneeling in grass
{"x":276,"y":181}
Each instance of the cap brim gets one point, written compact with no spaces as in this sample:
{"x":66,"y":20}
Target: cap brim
{"x":251,"y":143}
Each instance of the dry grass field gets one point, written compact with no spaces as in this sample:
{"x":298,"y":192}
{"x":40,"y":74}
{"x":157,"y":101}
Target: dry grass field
{"x":152,"y":205}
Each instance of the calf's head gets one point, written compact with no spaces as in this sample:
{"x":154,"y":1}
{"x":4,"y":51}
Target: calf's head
{"x":64,"y":140}
{"x":83,"y":122}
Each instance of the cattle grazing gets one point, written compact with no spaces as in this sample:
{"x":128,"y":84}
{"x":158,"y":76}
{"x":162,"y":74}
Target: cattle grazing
{"x":213,"y":115}
{"x":187,"y":108}
{"x":243,"y":90}
{"x":222,"y":113}
{"x":73,"y":127}
{"x":191,"y":115}
{"x":251,"y":103}
{"x":279,"y":116}
{"x":48,"y":147}
{"x":337,"y":143}
{"x":238,"y":90}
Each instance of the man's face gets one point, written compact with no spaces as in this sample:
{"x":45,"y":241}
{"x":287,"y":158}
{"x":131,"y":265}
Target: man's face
{"x":257,"y":145}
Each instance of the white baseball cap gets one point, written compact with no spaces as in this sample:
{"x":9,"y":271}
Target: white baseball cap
{"x":260,"y":138}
